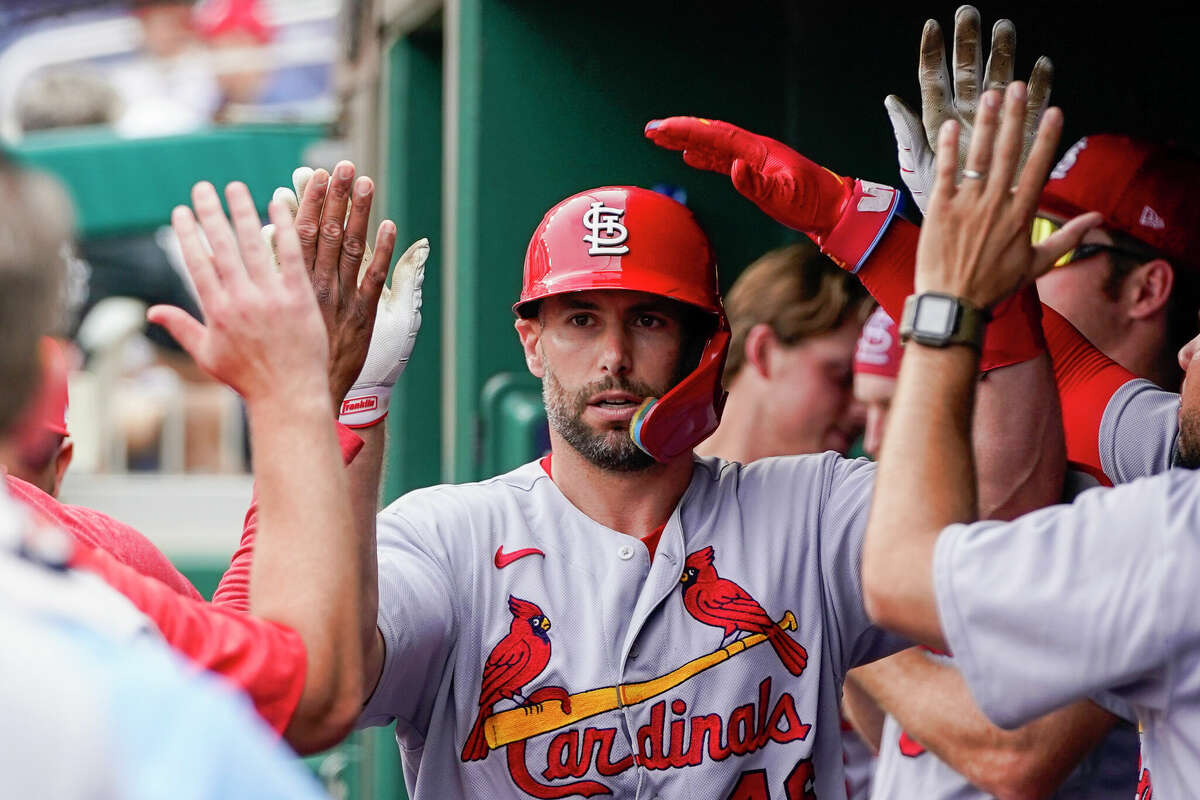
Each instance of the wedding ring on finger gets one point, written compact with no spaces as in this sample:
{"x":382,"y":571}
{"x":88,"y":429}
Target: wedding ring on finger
{"x":975,"y":175}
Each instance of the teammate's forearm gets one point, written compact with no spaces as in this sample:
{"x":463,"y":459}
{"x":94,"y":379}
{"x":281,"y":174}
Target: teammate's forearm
{"x":364,"y":476}
{"x":933,"y":705}
{"x":925,"y":481}
{"x":862,"y":712}
{"x":1014,"y":334}
{"x":1017,"y":439}
{"x":233,"y":591}
{"x":306,"y":572}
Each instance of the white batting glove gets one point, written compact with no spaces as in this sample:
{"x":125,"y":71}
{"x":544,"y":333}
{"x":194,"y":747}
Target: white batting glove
{"x":942,"y":100}
{"x":396,"y":324}
{"x":912,"y":150}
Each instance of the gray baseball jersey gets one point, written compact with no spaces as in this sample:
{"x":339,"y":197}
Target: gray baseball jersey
{"x":1138,"y":432}
{"x":515,"y":623}
{"x":1137,"y":438}
{"x":1038,"y":613}
{"x":905,"y":769}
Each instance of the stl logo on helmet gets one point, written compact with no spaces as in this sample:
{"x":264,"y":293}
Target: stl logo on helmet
{"x":608,"y":235}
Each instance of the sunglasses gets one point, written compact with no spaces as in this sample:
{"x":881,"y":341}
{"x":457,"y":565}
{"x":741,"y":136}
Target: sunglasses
{"x":1044,"y":228}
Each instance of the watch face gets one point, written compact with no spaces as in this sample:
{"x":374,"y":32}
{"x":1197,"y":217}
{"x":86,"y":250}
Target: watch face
{"x":935,"y":316}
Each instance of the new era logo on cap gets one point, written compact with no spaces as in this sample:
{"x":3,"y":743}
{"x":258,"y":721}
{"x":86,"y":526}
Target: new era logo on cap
{"x":1151,"y":219}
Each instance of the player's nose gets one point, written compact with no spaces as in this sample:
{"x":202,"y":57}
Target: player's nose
{"x":616,"y":353}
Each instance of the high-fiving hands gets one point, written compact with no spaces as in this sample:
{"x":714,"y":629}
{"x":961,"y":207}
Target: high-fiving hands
{"x":975,"y":242}
{"x":348,"y":278}
{"x":941,"y":100}
{"x":262,"y":332}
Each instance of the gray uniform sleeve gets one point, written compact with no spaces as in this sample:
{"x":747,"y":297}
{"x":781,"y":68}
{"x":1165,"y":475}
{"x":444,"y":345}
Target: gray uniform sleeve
{"x":1138,"y":432}
{"x":417,"y":616}
{"x":843,"y":525}
{"x":1070,"y":600}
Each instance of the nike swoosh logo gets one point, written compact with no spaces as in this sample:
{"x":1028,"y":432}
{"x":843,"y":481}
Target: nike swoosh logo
{"x":503,"y":559}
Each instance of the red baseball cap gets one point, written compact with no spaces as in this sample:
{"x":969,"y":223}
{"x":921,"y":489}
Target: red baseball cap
{"x":1145,"y":190}
{"x":879,"y":349}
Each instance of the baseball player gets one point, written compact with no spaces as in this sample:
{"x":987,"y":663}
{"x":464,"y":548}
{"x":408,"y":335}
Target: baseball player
{"x":794,"y":318}
{"x":877,"y":357}
{"x":285,"y":662}
{"x":84,"y":679}
{"x":1062,"y":602}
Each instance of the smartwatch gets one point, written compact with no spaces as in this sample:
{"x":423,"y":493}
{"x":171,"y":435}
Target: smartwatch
{"x":935,"y":319}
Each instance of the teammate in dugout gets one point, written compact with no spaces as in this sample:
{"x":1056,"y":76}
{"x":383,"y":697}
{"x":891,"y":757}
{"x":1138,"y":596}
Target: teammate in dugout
{"x":291,"y":671}
{"x":1086,"y":379}
{"x":86,"y":681}
{"x":1120,"y":625}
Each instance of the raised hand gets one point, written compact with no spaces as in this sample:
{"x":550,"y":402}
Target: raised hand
{"x":975,"y":243}
{"x":262,"y":332}
{"x":786,"y":185}
{"x":845,"y":216}
{"x":332,"y":215}
{"x":941,"y":100}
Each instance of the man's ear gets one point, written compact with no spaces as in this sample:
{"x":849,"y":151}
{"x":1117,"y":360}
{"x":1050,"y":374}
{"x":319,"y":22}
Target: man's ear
{"x":1148,"y":288}
{"x":760,"y":340}
{"x":529,"y":331}
{"x":66,"y":451}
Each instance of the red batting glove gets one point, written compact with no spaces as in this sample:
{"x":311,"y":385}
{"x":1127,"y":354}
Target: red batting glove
{"x":846,"y":217}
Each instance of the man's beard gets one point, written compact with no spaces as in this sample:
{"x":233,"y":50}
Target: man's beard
{"x":612,"y":448}
{"x":1187,"y":452}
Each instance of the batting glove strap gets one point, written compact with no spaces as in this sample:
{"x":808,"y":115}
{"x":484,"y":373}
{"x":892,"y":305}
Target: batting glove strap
{"x":365,"y":406}
{"x":866,"y":216}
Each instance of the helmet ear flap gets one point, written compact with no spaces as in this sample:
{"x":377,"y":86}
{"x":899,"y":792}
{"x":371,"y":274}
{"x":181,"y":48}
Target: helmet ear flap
{"x":667,"y":427}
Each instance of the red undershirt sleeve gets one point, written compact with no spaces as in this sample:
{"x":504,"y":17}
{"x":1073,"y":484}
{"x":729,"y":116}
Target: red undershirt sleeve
{"x":1087,"y":380}
{"x":233,"y":592}
{"x":265,"y":659}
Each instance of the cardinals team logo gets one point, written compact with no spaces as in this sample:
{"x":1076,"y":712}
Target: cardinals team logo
{"x":723,"y":604}
{"x":608,"y":235}
{"x":666,"y":742}
{"x":516,"y":660}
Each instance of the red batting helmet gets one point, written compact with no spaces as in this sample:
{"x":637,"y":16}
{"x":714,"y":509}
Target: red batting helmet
{"x":623,"y":237}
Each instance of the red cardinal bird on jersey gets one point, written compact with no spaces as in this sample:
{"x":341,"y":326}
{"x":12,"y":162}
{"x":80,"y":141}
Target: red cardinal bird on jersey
{"x":721,"y":603}
{"x":517,"y":659}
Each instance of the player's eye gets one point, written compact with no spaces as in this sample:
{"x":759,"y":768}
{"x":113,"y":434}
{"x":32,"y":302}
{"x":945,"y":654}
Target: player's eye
{"x":580,"y":320}
{"x":650,"y":321}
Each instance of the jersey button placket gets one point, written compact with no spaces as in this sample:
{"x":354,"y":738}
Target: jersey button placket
{"x":625,"y":552}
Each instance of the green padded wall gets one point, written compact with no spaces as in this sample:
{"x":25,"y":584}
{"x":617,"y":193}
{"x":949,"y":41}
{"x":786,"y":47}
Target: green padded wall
{"x":131,"y":185}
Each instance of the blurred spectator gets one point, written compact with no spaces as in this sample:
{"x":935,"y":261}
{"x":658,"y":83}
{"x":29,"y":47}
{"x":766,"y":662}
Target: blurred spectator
{"x":795,"y":319}
{"x":66,"y":98}
{"x":233,"y":31}
{"x":169,"y":88}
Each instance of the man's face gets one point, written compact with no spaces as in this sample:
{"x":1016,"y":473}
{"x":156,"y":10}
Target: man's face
{"x":599,"y":355}
{"x":812,"y":404}
{"x":1077,"y":291}
{"x":875,"y":393}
